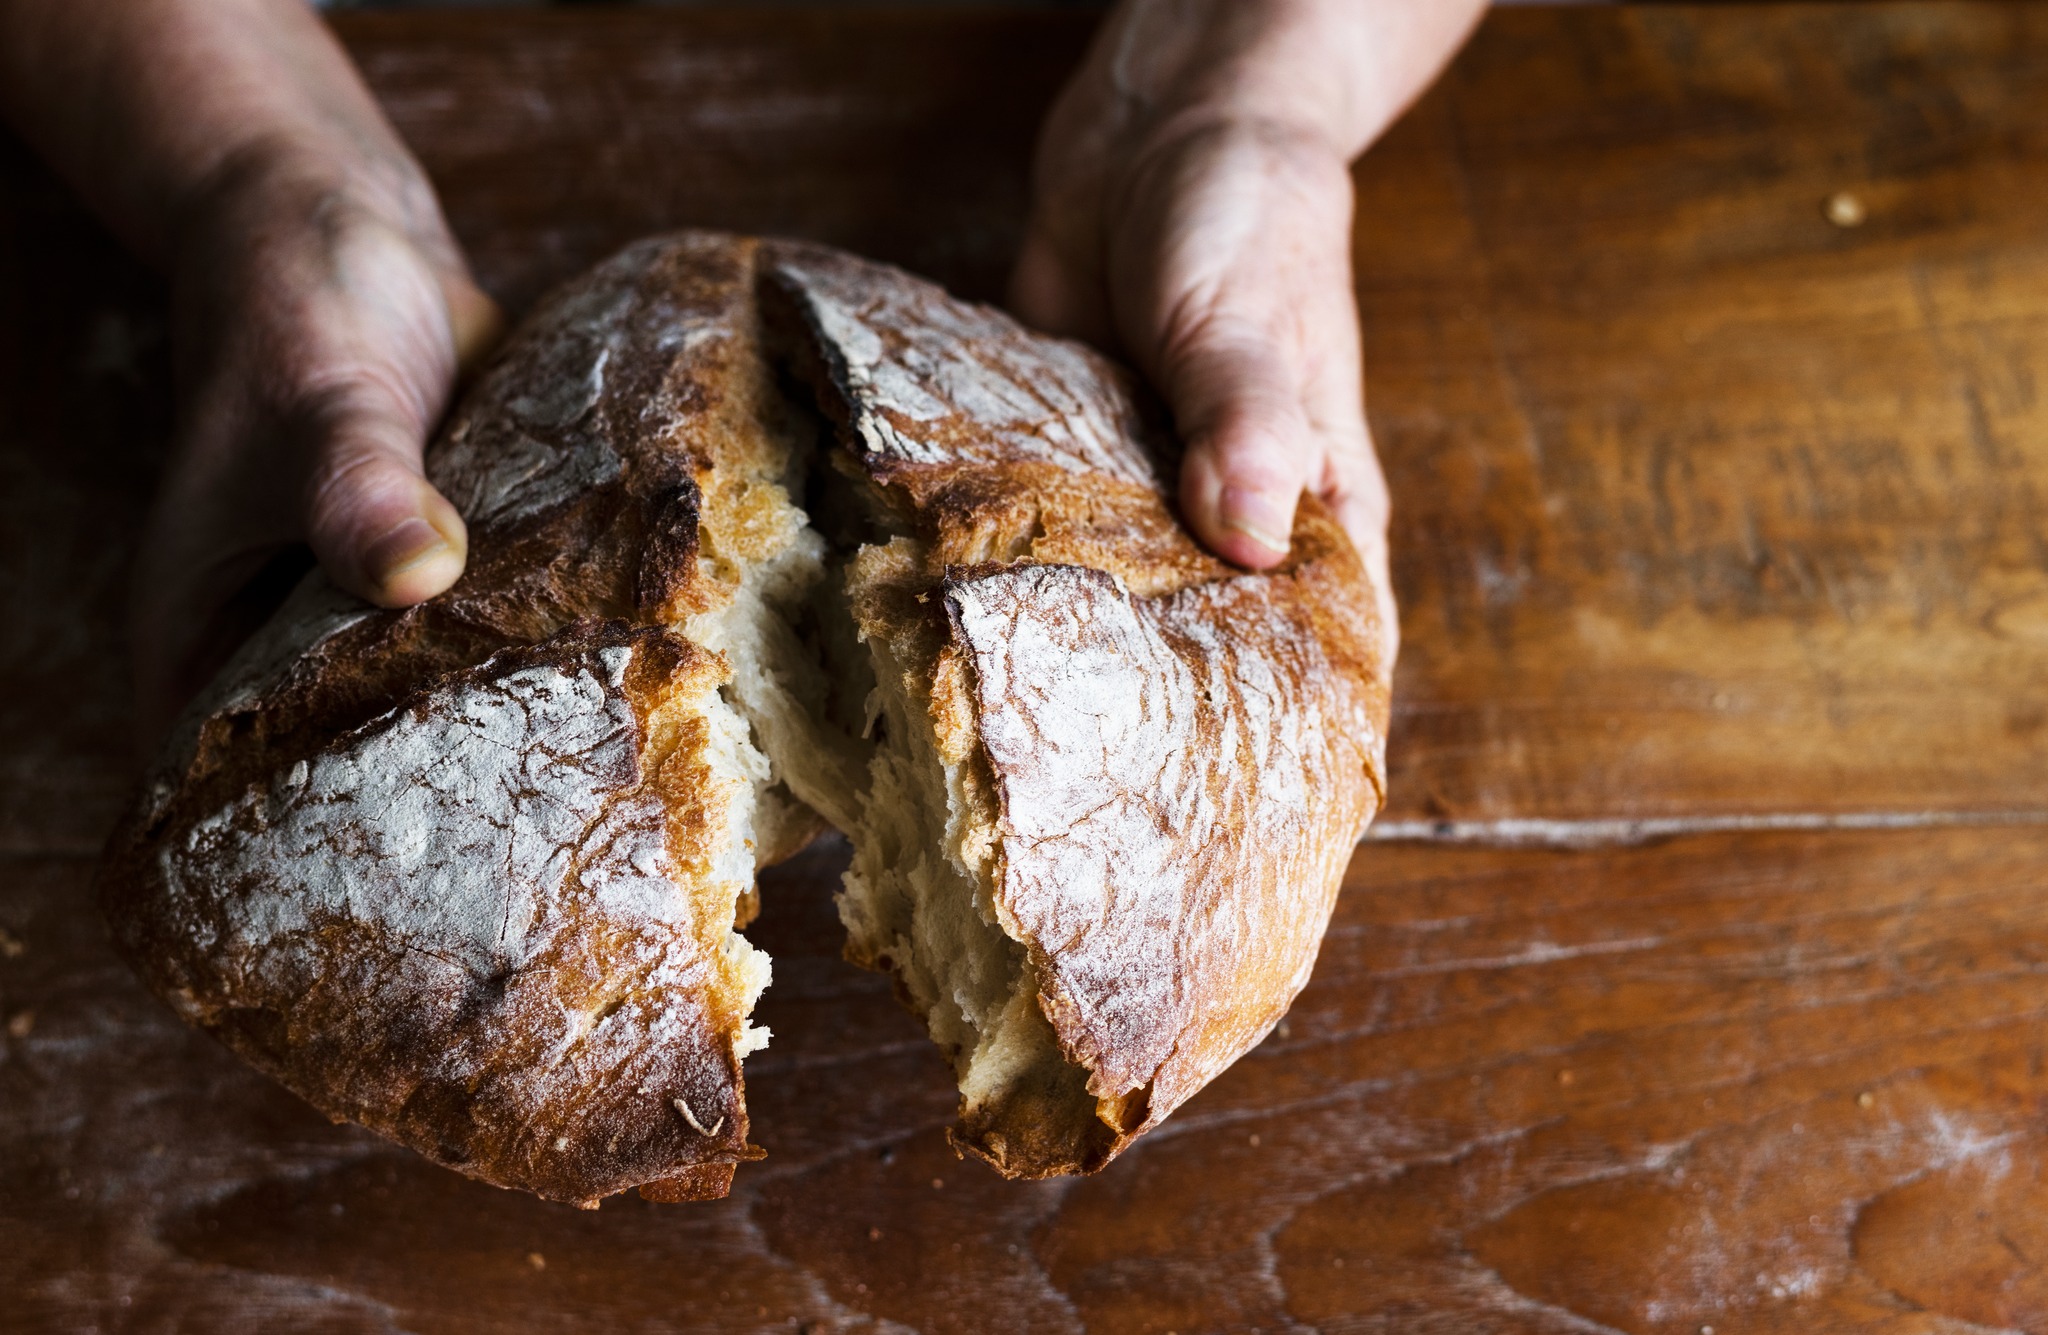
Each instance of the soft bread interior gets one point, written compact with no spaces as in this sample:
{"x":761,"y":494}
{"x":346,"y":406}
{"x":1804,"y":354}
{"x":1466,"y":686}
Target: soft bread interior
{"x":840,"y":664}
{"x":919,"y":898}
{"x":855,"y":711}
{"x":687,"y":732}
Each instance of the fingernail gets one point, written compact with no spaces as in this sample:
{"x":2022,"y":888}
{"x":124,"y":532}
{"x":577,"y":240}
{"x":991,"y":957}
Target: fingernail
{"x":409,"y":545}
{"x":1257,"y":516}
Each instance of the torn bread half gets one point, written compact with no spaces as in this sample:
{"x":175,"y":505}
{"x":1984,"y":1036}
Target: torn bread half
{"x":766,"y":537}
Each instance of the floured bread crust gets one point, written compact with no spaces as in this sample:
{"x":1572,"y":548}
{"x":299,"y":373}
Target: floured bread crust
{"x":764,"y":536}
{"x":624,"y":466}
{"x":527,"y":997}
{"x":1155,"y":766}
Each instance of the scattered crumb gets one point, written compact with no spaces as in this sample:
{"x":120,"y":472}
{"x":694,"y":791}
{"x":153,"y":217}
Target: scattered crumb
{"x":938,"y":1182}
{"x":1565,"y":1077}
{"x":20,"y":1024}
{"x":1706,"y":1330}
{"x":874,"y":1235}
{"x":536,"y":1260}
{"x":1866,"y":1100}
{"x":1284,"y":1029}
{"x":697,"y":1126}
{"x":1253,"y":1140}
{"x":11,"y":947}
{"x":1845,"y":210}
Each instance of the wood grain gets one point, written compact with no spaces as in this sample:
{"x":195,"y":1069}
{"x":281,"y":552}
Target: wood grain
{"x":1709,"y":506}
{"x":1714,"y":516}
{"x":1767,"y":1082}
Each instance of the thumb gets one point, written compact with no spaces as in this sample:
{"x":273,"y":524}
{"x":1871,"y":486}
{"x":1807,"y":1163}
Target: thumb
{"x":1249,"y":441}
{"x":375,"y":523}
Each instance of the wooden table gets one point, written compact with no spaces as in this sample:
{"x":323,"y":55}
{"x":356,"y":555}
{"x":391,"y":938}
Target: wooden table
{"x":1695,"y":977}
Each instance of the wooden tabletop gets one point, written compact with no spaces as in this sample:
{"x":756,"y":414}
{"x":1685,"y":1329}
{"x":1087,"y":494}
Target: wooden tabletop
{"x":1695,"y":978}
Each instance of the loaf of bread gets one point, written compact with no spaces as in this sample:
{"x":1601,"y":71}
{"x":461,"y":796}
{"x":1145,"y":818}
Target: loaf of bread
{"x":766,"y":538}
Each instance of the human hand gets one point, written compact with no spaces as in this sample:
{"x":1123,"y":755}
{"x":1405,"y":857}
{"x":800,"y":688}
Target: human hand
{"x":319,"y":325}
{"x":1192,"y":205}
{"x":320,"y":306}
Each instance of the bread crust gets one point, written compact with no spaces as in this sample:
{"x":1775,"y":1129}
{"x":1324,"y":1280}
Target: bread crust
{"x":616,"y":433}
{"x":1180,"y":757}
{"x":468,"y":873}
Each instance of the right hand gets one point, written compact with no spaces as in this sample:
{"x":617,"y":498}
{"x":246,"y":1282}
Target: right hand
{"x":321,"y":313}
{"x":320,"y":307}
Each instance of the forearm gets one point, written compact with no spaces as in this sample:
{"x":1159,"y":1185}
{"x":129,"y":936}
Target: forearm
{"x":1339,"y":71}
{"x":149,"y":106}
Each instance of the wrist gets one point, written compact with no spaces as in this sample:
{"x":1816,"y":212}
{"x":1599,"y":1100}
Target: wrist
{"x":156,"y":110}
{"x":272,"y":186}
{"x":1328,"y":72}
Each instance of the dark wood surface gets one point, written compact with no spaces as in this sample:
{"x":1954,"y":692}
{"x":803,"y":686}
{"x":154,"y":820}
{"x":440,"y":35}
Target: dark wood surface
{"x":1696,"y":978}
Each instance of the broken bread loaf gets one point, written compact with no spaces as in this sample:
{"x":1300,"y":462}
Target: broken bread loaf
{"x":763,"y":538}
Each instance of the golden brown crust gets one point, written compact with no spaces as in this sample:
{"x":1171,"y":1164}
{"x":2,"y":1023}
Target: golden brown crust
{"x":585,"y":461}
{"x":523,"y":998}
{"x":467,"y":873}
{"x":1180,"y":757}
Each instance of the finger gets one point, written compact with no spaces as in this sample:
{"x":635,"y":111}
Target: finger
{"x":1356,"y":491}
{"x":375,"y":523}
{"x":474,"y":320}
{"x":360,"y":425}
{"x":1352,"y":482}
{"x":1249,"y":443}
{"x":1052,"y":288}
{"x":1232,"y":275}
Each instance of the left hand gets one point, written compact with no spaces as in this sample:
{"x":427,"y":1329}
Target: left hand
{"x":1193,"y":206}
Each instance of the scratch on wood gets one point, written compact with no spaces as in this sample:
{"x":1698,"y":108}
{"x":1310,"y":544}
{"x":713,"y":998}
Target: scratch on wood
{"x":1523,"y":832}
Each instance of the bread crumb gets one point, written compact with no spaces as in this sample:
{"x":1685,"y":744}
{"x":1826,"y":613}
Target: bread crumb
{"x":1565,"y":1077}
{"x":20,"y":1024}
{"x":938,"y":1182}
{"x":1253,"y":1140}
{"x":874,"y":1234}
{"x":1866,"y":1099}
{"x":696,"y":1125}
{"x":1845,"y":210}
{"x":536,"y":1260}
{"x":10,"y":945}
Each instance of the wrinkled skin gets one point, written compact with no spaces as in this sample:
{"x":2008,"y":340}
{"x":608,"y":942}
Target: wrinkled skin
{"x":1192,"y":212}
